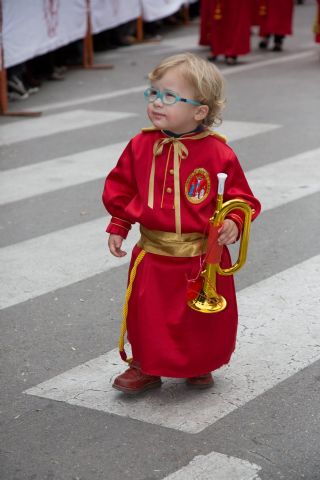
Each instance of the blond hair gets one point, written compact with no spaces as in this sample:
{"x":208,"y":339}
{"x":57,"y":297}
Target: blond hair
{"x":203,"y":76}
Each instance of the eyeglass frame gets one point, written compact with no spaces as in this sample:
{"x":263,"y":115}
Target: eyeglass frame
{"x":160,"y":95}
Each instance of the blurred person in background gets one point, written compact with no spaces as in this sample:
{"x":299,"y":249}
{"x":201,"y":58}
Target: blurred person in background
{"x":206,"y":15}
{"x":229,"y":34}
{"x":316,"y":27}
{"x":275,"y":21}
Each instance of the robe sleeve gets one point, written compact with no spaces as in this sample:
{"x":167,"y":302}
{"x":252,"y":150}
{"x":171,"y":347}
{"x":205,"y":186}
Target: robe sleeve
{"x":119,"y":190}
{"x":237,"y":187}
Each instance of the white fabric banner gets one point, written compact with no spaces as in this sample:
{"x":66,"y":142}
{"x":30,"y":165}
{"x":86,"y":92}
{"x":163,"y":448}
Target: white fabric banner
{"x":156,"y":9}
{"x":107,"y":14}
{"x":34,"y":27}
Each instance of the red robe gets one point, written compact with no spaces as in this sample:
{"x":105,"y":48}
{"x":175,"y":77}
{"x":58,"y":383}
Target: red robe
{"x":255,"y":17}
{"x":230,"y":30}
{"x":167,"y":337}
{"x":206,"y":14}
{"x":277,"y":19}
{"x":317,"y":24}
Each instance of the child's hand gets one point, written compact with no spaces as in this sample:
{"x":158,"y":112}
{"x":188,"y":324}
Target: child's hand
{"x":228,"y":233}
{"x":114,"y":244}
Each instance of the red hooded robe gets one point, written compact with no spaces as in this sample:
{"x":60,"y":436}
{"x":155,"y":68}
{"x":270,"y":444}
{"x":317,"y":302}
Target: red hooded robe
{"x":206,"y":13}
{"x":230,"y":27}
{"x":167,"y":337}
{"x":317,"y":24}
{"x":276,"y":17}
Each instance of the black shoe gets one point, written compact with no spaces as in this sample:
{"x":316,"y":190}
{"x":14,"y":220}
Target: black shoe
{"x":278,"y":41}
{"x":277,"y":47}
{"x":16,"y":89}
{"x":212,"y":59}
{"x":231,"y":60}
{"x":263,"y":45}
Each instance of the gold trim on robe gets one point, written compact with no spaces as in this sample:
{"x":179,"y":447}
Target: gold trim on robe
{"x":180,"y":152}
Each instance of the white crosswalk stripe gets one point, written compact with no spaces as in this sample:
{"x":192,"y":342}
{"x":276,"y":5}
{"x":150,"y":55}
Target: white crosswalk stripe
{"x":273,"y":344}
{"x":40,"y":265}
{"x":63,"y":172}
{"x":57,"y":123}
{"x":61,"y":258}
{"x":36,"y":179}
{"x":216,"y":466}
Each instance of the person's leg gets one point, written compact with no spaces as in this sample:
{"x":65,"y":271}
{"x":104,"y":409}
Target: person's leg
{"x":263,"y":45}
{"x":231,"y":60}
{"x":278,"y":42}
{"x":16,"y":88}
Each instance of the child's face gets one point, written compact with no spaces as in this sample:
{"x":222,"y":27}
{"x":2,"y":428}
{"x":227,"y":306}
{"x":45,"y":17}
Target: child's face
{"x":180,"y":117}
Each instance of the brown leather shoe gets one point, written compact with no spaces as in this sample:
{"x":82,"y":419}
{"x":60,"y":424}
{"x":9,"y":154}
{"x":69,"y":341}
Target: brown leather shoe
{"x":133,"y":381}
{"x":201,"y":382}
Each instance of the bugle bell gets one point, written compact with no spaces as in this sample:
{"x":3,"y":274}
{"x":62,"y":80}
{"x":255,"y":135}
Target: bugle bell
{"x":208,"y":300}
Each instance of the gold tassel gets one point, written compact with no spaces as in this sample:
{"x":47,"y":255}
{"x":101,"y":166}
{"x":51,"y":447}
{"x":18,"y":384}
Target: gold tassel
{"x":217,"y":14}
{"x":263,"y":9}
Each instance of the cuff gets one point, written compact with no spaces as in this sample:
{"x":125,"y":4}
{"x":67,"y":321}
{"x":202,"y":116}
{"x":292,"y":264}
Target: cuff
{"x":117,"y":226}
{"x":238,"y":221}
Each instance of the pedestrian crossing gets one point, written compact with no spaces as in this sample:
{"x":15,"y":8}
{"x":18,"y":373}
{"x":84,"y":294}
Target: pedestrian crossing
{"x":273,"y":344}
{"x":70,"y":170}
{"x":218,"y":467}
{"x":43,"y":264}
{"x":45,"y":268}
{"x":56,"y":123}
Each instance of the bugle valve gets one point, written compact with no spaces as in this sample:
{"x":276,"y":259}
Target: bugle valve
{"x":208,"y":300}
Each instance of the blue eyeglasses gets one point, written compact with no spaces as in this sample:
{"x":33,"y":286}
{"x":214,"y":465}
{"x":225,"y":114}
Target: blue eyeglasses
{"x":167,"y":97}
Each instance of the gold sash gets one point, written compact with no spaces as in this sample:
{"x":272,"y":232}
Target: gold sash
{"x":171,"y":244}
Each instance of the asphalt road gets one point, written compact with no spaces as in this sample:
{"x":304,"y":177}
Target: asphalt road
{"x":61,"y":294}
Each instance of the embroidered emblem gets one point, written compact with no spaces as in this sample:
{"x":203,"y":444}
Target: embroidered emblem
{"x":197,"y":186}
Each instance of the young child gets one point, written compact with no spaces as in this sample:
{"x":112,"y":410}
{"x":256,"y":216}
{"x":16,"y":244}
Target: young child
{"x":166,"y":180}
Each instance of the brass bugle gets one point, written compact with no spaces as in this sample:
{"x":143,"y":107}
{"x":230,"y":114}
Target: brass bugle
{"x":208,"y":299}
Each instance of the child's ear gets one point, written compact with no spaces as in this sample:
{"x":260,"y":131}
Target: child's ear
{"x":201,"y":112}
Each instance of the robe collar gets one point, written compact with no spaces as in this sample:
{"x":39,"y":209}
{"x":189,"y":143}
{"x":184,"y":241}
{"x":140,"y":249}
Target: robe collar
{"x":180,"y":152}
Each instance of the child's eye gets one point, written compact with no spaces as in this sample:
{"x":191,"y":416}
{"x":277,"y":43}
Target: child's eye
{"x":170,"y":97}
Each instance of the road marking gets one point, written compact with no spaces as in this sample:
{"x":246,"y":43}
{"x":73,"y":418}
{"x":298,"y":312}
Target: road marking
{"x":217,"y":466}
{"x":277,"y":338}
{"x":46,"y":263}
{"x":235,"y":130}
{"x":57,"y":123}
{"x":141,"y":88}
{"x":39,"y":178}
{"x":268,"y":63}
{"x":56,"y":260}
{"x":43,"y":177}
{"x":91,"y":98}
{"x":287,"y":180}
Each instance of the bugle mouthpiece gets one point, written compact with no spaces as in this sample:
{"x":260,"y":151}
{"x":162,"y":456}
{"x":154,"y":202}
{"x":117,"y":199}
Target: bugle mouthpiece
{"x":221,"y":181}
